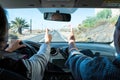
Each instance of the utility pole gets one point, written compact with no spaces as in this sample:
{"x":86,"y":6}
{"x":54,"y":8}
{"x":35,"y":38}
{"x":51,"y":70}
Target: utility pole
{"x":30,"y":25}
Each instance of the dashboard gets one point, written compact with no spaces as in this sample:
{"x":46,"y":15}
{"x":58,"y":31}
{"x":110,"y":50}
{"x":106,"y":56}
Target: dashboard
{"x":56,"y":68}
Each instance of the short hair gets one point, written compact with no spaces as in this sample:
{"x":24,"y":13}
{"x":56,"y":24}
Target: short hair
{"x":3,"y":24}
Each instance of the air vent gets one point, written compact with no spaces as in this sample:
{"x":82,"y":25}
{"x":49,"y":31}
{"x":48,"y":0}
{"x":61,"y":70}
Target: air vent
{"x":53,"y":51}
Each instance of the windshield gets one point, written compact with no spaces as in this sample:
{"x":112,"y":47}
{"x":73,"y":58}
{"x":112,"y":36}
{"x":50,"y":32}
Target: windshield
{"x":89,"y":24}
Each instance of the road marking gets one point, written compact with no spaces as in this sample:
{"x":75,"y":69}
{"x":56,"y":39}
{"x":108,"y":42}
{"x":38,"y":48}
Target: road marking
{"x":62,"y":36}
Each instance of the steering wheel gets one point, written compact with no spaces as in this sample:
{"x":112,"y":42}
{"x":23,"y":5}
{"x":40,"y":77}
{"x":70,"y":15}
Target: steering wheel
{"x":52,"y":71}
{"x":30,"y":49}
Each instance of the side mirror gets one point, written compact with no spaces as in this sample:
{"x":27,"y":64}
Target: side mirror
{"x":57,"y":16}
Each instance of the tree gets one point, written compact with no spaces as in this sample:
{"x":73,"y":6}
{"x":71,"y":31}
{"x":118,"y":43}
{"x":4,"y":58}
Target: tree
{"x":106,"y":13}
{"x":18,"y":24}
{"x":89,"y":22}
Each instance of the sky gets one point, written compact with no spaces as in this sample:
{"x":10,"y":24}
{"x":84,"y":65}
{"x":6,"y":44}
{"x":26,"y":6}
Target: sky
{"x":39,"y":23}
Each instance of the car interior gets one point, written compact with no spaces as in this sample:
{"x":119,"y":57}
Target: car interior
{"x":92,"y":20}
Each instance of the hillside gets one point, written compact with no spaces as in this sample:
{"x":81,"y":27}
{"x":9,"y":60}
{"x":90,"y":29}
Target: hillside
{"x":102,"y":33}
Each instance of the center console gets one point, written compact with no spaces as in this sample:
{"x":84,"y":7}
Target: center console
{"x":57,"y":71}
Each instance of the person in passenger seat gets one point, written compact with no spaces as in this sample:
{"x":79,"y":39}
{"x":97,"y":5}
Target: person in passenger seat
{"x":32,"y":68}
{"x":84,"y":67}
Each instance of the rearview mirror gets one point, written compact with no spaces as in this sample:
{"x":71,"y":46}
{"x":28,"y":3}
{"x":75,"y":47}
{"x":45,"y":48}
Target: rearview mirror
{"x":57,"y":16}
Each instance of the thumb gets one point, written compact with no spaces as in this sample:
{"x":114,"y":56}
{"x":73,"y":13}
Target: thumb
{"x":46,"y":31}
{"x":71,"y":31}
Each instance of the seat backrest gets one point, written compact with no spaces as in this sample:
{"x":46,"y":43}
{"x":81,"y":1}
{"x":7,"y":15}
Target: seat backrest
{"x":9,"y":75}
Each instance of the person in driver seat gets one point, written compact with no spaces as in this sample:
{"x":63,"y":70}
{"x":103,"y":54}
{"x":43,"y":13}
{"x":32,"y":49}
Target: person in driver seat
{"x":84,"y":67}
{"x":32,"y":68}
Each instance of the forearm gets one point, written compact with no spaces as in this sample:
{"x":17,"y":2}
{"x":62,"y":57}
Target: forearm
{"x":43,"y":52}
{"x":74,"y":61}
{"x":72,"y":46}
{"x":37,"y":63}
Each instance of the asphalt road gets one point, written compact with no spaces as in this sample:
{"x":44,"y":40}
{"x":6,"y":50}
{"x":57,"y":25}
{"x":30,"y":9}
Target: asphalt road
{"x":56,"y":37}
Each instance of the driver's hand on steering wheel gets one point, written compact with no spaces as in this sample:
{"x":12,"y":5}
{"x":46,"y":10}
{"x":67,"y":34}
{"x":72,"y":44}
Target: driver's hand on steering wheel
{"x":48,"y":37}
{"x":14,"y":45}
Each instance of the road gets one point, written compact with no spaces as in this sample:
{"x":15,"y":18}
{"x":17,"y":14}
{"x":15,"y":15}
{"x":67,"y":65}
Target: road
{"x":56,"y":37}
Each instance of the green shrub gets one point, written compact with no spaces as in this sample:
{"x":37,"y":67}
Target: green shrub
{"x":113,"y":20}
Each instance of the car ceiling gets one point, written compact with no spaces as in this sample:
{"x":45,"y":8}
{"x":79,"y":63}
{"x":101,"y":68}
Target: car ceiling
{"x":60,"y":3}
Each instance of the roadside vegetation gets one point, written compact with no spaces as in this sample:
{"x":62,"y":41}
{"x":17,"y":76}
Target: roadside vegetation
{"x":16,"y":26}
{"x":101,"y":18}
{"x":90,"y":28}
